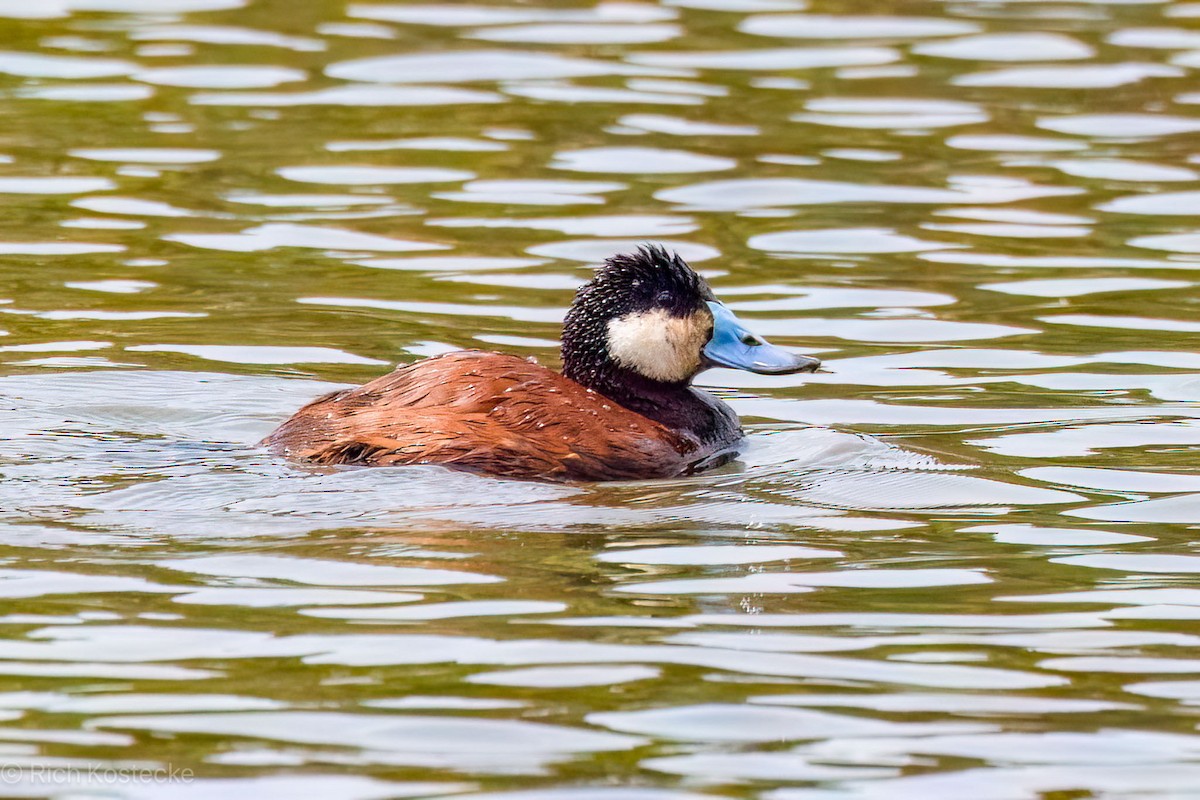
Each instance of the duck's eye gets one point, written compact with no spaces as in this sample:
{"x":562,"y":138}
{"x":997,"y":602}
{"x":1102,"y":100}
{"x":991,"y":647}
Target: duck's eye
{"x":750,"y":340}
{"x":663,"y":298}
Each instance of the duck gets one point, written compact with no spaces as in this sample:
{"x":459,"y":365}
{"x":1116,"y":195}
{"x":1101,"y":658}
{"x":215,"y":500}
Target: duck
{"x":623,"y":407}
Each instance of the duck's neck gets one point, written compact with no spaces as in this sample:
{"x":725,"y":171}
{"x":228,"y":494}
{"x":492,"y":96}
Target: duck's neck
{"x":678,"y":406}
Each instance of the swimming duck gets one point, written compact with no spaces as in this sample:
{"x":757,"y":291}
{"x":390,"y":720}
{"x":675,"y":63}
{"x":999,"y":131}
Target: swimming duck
{"x":623,"y":407}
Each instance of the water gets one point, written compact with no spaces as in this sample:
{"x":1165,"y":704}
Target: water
{"x":959,"y":564}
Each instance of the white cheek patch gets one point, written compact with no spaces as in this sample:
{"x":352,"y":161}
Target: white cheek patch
{"x":657,"y":345}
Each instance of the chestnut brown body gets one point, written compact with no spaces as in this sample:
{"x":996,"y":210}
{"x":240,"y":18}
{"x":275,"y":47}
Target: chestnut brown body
{"x":488,"y":413}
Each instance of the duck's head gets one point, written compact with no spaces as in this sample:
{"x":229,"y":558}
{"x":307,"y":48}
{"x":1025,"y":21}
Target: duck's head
{"x":648,"y":314}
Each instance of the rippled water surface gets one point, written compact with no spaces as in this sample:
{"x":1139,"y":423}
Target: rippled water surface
{"x":958,"y":565}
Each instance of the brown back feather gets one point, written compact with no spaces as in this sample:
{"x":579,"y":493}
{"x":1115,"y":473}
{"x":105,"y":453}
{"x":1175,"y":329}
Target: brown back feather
{"x":484,"y":412}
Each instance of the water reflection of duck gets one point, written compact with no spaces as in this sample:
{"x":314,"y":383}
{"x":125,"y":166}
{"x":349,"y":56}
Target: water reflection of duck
{"x":623,"y":407}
